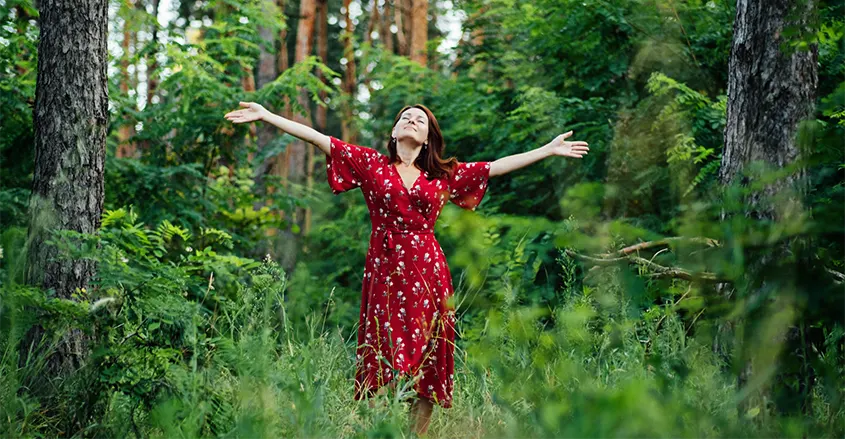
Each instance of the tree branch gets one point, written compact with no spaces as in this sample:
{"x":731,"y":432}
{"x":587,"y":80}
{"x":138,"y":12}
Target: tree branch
{"x":658,"y":271}
{"x":661,"y":242}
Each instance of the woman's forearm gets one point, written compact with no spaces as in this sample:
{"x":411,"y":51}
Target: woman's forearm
{"x":299,"y":131}
{"x":513,"y":162}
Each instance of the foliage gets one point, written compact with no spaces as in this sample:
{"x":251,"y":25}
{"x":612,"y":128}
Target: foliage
{"x":194,"y":333}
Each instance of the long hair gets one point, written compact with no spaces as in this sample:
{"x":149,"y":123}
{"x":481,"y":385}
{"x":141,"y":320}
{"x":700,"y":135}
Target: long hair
{"x":430,"y":158}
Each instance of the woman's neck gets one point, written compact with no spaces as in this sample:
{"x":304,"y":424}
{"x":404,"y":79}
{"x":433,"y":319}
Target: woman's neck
{"x":407,"y":153}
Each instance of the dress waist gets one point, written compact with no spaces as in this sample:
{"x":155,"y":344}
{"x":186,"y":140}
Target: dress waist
{"x":389,"y":231}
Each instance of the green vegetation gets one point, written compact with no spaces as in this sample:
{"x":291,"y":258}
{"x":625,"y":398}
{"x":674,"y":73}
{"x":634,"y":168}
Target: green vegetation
{"x":196,"y":331}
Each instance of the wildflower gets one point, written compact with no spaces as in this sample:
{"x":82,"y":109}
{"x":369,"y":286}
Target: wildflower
{"x":188,"y":249}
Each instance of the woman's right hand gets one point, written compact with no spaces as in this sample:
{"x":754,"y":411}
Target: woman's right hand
{"x":251,"y":112}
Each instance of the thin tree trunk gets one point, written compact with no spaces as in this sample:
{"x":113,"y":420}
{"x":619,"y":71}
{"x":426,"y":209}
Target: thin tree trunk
{"x":387,"y":35}
{"x":266,"y":69}
{"x":321,"y":116}
{"x":349,"y":78}
{"x":295,"y":153}
{"x":399,"y":21}
{"x":125,"y":132}
{"x":248,"y":85}
{"x":71,"y":120}
{"x":152,"y":75}
{"x":323,"y":53}
{"x":419,"y":31}
{"x":770,"y":92}
{"x":371,"y":25}
{"x":284,"y":56}
{"x":279,"y":164}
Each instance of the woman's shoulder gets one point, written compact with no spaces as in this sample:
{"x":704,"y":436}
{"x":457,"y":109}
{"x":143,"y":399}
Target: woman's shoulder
{"x":368,"y":152}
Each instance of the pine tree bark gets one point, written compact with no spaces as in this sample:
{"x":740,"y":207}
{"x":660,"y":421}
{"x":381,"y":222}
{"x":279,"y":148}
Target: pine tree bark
{"x":771,"y":91}
{"x":71,"y":120}
{"x":419,"y":31}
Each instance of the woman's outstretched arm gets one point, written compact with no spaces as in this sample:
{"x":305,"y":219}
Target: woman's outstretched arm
{"x":252,"y":112}
{"x":557,"y":147}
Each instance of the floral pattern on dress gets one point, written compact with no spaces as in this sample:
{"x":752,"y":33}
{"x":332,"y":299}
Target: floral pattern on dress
{"x":406,"y":324}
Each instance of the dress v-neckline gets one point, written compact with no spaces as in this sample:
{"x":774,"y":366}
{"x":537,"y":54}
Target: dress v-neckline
{"x":402,"y":182}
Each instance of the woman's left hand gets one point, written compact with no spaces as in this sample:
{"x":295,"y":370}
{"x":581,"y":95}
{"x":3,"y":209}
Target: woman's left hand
{"x":559,"y":146}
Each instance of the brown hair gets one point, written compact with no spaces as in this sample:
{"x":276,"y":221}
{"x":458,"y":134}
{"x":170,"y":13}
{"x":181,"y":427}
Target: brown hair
{"x":430,"y":158}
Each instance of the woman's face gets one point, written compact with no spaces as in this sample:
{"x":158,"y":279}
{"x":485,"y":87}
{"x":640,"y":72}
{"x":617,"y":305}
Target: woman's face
{"x":412,"y":125}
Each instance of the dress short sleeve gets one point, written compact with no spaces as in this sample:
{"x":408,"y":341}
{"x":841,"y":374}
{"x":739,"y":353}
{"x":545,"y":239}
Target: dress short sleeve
{"x":468,"y":184}
{"x":348,"y":165}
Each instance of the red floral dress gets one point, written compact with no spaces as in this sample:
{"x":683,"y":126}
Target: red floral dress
{"x":406,"y":323}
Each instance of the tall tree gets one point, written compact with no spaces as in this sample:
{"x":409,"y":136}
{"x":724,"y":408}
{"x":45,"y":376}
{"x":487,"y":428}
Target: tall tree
{"x":267,"y":65}
{"x":771,"y":90}
{"x":385,"y":34}
{"x":371,"y":24}
{"x":322,"y":113}
{"x":125,"y":132}
{"x":419,"y":31}
{"x":71,"y":120}
{"x":151,"y":59}
{"x":763,"y":115}
{"x":401,"y":22}
{"x":349,"y":78}
{"x":294,"y":159}
{"x":283,"y":59}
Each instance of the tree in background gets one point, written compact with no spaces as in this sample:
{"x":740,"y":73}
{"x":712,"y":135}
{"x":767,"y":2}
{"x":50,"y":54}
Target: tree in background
{"x":419,"y":31}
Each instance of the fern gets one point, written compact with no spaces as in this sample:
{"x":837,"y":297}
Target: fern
{"x":705,"y":172}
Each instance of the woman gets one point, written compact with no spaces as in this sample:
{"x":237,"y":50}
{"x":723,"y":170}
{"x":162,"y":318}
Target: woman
{"x":407,"y":320}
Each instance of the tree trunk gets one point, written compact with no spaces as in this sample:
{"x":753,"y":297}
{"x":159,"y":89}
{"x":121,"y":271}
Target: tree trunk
{"x":248,"y":85}
{"x":152,"y":76}
{"x":283,"y":59}
{"x":322,"y":116}
{"x":385,"y":32}
{"x":371,"y":25}
{"x":126,"y":131}
{"x":349,"y":78}
{"x":419,"y":31}
{"x":295,"y":153}
{"x":770,"y":92}
{"x":71,"y":120}
{"x":323,"y":54}
{"x":266,"y":69}
{"x":401,"y":25}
